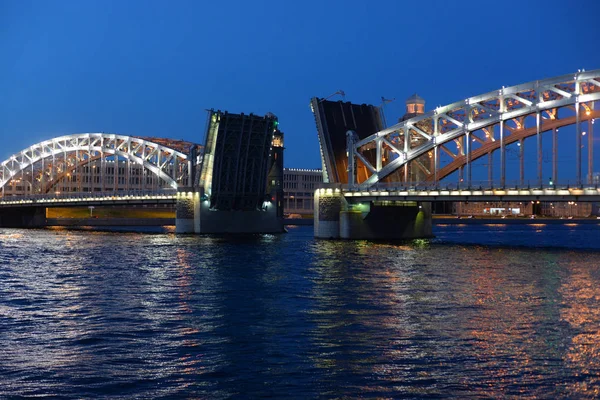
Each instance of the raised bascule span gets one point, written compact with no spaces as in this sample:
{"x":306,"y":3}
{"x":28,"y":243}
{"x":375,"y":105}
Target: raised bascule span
{"x":394,"y":174}
{"x":240,"y":188}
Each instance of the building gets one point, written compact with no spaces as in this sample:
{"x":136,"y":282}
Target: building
{"x":567,"y":209}
{"x":299,"y":189}
{"x":96,"y":176}
{"x":421,"y":168}
{"x":494,"y":208}
{"x":516,"y":209}
{"x":415,"y":106}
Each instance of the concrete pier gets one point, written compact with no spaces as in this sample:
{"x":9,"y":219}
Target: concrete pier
{"x":240,"y":185}
{"x":23,"y":217}
{"x":194,"y":215}
{"x":187,"y":212}
{"x":329,"y":203}
{"x":337,"y":218}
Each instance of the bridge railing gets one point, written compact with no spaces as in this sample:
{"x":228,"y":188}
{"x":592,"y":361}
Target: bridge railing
{"x":473,"y":185}
{"x":89,"y":196}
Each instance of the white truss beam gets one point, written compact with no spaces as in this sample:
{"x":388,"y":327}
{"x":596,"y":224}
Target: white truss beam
{"x":436,"y":128}
{"x":78,"y":149}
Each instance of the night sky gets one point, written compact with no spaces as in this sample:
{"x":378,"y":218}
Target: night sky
{"x":152,"y":68}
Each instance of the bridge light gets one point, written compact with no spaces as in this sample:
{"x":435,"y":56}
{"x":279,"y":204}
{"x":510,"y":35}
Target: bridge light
{"x":583,"y":133}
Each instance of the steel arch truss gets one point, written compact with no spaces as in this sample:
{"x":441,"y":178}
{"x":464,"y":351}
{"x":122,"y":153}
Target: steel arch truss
{"x":386,"y":155}
{"x":43,"y":164}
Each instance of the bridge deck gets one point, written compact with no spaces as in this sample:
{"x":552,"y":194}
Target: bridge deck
{"x":91,"y":199}
{"x":446,"y":194}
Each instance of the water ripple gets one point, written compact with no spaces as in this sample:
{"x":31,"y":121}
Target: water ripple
{"x":88,"y":314}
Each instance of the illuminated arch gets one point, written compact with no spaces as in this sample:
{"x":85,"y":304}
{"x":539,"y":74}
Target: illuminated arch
{"x":415,"y":137}
{"x":168,"y":164}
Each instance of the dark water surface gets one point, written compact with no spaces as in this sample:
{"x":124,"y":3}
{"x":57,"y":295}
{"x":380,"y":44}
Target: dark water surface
{"x":132,"y":315}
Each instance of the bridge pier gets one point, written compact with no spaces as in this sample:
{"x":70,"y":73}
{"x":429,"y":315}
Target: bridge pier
{"x":194,"y":215}
{"x":328,"y":205}
{"x":23,"y":217}
{"x":336,"y":217}
{"x":187,"y":214}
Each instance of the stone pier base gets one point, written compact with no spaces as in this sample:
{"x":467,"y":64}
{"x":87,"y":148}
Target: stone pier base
{"x":336,"y":218}
{"x":187,"y":214}
{"x":23,"y":217}
{"x":195,"y":216}
{"x":328,"y":203}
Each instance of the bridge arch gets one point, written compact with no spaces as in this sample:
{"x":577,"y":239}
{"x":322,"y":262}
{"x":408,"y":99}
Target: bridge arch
{"x":386,"y":155}
{"x":48,"y":161}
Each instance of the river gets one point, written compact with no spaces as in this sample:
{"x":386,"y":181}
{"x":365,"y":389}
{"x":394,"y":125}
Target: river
{"x":487,"y":311}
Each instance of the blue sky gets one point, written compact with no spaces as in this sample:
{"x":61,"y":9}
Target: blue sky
{"x":151,"y":68}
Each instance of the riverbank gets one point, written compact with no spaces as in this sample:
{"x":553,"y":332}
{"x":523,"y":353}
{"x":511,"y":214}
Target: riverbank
{"x":110,"y":221}
{"x":439,"y":220}
{"x":451,"y":219}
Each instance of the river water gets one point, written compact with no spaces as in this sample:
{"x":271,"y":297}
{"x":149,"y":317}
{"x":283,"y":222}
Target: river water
{"x":481,"y":311}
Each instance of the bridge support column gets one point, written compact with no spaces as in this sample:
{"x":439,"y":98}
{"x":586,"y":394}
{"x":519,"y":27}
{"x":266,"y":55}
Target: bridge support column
{"x":187,"y":218}
{"x":194,"y":215}
{"x":373,"y":221}
{"x":339,"y":218}
{"x":329,"y":202}
{"x":23,"y":217}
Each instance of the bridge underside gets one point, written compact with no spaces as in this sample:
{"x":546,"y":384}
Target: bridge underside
{"x":338,"y":218}
{"x":547,"y":195}
{"x":32,"y":212}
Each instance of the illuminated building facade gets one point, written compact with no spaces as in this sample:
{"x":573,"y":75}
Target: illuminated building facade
{"x":298,"y":190}
{"x":516,"y":209}
{"x":96,"y":176}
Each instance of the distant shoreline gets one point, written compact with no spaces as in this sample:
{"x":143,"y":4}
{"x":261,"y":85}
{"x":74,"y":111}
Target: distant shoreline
{"x":445,"y":220}
{"x":453,"y":220}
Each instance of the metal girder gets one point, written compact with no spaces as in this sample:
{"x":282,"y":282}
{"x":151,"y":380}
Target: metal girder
{"x":447,"y":123}
{"x":83,"y":148}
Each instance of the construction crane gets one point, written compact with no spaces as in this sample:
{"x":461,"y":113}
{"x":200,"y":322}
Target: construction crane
{"x":340,"y":92}
{"x":383,"y":102}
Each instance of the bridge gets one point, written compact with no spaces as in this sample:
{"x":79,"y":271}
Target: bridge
{"x":378,"y":174}
{"x":92,"y":199}
{"x":91,"y":162}
{"x":233,"y":184}
{"x":372,"y":173}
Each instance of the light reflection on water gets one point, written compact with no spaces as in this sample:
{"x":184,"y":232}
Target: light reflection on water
{"x":88,"y":314}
